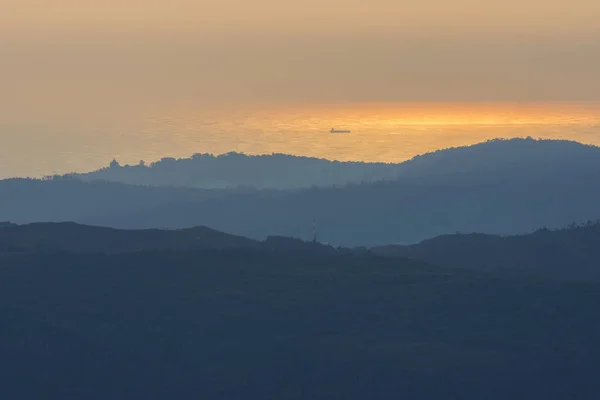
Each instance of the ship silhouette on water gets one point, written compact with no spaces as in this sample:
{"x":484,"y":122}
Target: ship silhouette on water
{"x":333,"y":130}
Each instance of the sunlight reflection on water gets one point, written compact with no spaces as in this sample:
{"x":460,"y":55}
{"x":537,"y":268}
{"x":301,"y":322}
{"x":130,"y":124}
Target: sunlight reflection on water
{"x":388,"y":133}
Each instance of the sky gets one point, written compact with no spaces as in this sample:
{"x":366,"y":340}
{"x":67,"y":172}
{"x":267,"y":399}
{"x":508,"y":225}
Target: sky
{"x":306,"y":51}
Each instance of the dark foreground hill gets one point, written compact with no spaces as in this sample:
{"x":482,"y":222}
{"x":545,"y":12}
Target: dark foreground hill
{"x":231,"y":324}
{"x":75,"y":238}
{"x":572,"y":253}
{"x":68,"y":237}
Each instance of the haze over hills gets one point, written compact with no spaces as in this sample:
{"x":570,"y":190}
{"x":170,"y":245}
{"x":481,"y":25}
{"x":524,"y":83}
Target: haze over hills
{"x":280,"y":171}
{"x":398,"y":212}
{"x":497,"y":187}
{"x":231,"y":170}
{"x":68,"y":199}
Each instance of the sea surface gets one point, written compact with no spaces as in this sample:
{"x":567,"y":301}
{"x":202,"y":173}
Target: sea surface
{"x":38,"y":144}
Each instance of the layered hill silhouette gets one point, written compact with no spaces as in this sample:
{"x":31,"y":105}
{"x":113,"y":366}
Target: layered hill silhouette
{"x":498,"y":187}
{"x":96,"y":312}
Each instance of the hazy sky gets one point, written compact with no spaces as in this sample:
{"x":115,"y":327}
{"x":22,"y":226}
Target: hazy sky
{"x":249,"y":16}
{"x":77,"y":51}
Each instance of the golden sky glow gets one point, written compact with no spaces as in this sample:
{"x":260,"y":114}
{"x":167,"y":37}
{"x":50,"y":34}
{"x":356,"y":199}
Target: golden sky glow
{"x":454,"y":113}
{"x":256,"y":15}
{"x":309,"y":51}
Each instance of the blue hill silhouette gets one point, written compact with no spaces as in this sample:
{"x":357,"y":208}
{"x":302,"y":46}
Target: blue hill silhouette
{"x":280,"y":171}
{"x":497,"y":187}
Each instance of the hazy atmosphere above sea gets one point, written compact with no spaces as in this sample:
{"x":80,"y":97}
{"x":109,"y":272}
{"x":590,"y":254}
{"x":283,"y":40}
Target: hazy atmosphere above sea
{"x":384,"y":132}
{"x":83,"y":83}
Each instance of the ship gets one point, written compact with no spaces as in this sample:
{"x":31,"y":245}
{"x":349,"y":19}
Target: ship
{"x":333,"y":130}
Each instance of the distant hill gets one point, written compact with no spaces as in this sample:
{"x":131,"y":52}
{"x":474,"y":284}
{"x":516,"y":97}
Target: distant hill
{"x":231,"y":170}
{"x":506,"y":159}
{"x":551,"y":188}
{"x":498,"y":187}
{"x":280,"y":171}
{"x":572,"y":253}
{"x":68,"y":199}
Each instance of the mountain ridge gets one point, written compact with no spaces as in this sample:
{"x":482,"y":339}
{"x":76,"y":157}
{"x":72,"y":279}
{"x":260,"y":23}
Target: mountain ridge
{"x":71,"y":237}
{"x":284,"y":171}
{"x":568,"y":253}
{"x":503,"y":187}
{"x":572,"y":253}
